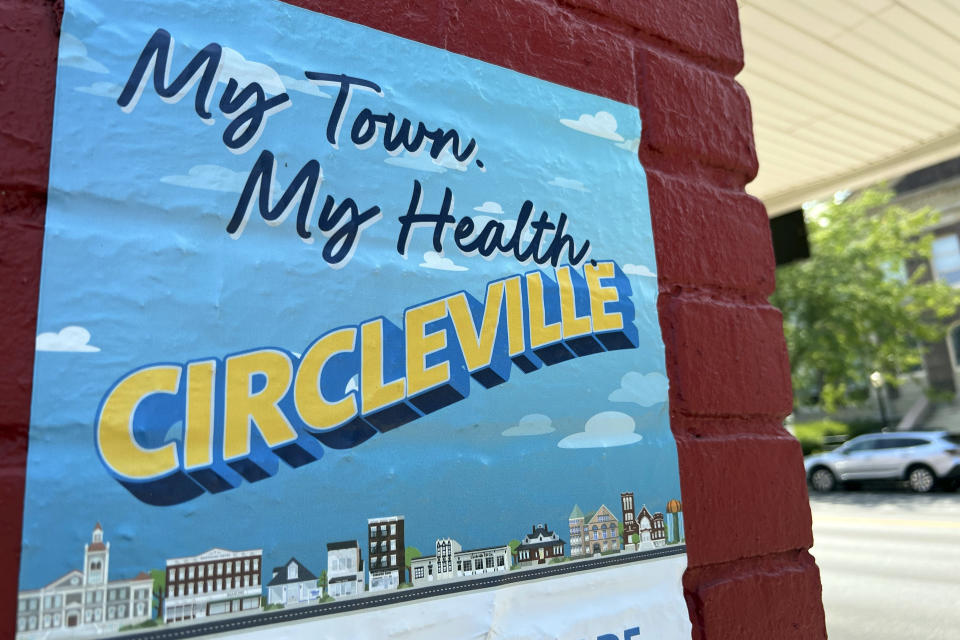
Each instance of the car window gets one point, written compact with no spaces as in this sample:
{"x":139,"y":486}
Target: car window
{"x":861,"y":445}
{"x":891,"y":443}
{"x":901,"y":443}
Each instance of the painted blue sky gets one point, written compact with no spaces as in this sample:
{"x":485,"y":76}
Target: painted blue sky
{"x":138,"y":268}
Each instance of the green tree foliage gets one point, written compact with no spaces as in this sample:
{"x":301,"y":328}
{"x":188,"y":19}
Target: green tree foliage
{"x":159,"y":589}
{"x":411,"y":553}
{"x":863,"y":301}
{"x":513,"y":546}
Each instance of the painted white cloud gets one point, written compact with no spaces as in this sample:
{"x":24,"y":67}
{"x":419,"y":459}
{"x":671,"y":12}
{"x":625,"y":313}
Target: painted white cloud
{"x":234,"y":65}
{"x":535,"y":424}
{"x":490,"y":207}
{"x":605,"y":429}
{"x":631,"y":144}
{"x":420,"y":162}
{"x":72,"y":338}
{"x":638,"y":270}
{"x":433,"y":260}
{"x":644,"y":390}
{"x":509,"y":226}
{"x":303,"y":86}
{"x":102,"y":89}
{"x":352,"y":385}
{"x":602,"y":124}
{"x":567,"y":183}
{"x":447,"y":160}
{"x":73,"y":53}
{"x":211,"y":177}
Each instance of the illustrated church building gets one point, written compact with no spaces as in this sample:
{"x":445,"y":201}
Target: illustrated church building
{"x":644,"y":529}
{"x":595,"y":532}
{"x":85,"y":602}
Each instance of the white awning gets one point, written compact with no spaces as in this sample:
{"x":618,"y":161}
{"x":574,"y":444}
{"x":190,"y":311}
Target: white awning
{"x":846,"y":93}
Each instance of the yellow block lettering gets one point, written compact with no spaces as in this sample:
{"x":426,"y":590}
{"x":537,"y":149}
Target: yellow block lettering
{"x":198,"y":429}
{"x":573,"y":326}
{"x":244,"y":407}
{"x":118,"y":448}
{"x":599,"y":294}
{"x":477,"y":346}
{"x":540,"y":332}
{"x":419,"y":345}
{"x":317,"y":412}
{"x":374,"y":394}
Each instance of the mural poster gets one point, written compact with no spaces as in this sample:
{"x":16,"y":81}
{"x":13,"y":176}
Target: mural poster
{"x":341,"y":335}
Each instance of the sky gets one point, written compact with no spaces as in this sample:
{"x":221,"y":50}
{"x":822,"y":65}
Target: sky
{"x":138,"y":268}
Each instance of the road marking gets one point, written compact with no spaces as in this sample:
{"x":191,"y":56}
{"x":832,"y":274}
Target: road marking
{"x":886,"y":522}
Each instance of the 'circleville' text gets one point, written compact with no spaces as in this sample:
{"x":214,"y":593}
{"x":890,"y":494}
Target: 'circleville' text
{"x":243,"y":413}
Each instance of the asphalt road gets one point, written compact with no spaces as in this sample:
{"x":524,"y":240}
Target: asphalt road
{"x":890,"y":564}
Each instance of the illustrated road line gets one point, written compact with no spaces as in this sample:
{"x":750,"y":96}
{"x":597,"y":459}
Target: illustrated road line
{"x":403,"y":595}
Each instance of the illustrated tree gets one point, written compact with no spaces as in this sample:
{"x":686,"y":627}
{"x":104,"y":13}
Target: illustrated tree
{"x":159,"y":589}
{"x":322,"y":581}
{"x":513,"y":547}
{"x":410,"y":553}
{"x":863,"y":302}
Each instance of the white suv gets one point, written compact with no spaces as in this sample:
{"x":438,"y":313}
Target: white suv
{"x":922,"y":458}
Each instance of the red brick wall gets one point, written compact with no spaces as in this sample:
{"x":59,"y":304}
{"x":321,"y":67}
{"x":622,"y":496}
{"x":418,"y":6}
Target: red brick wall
{"x":746,"y":511}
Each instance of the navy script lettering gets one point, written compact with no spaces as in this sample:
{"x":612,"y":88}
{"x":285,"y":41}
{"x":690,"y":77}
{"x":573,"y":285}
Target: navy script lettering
{"x":490,"y":239}
{"x":246,"y":126}
{"x":247,"y":107}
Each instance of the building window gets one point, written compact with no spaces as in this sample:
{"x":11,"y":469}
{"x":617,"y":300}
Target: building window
{"x":418,"y":573}
{"x":393,"y":529}
{"x":190,"y":573}
{"x":946,"y":259}
{"x":478,"y":564}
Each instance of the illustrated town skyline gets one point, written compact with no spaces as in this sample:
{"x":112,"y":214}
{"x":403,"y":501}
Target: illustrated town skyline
{"x":221,"y":581}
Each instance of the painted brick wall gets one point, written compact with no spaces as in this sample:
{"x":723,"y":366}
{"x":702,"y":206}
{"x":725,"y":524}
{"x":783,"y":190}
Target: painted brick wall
{"x":746,"y":510}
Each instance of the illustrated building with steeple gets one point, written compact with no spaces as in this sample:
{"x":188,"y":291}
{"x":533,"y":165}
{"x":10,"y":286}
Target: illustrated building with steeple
{"x":643,"y":529}
{"x":594,"y":532}
{"x":87,"y":601}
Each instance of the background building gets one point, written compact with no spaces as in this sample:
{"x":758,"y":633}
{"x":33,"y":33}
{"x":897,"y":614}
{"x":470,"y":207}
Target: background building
{"x":85,"y":601}
{"x":595,"y":532}
{"x":451,"y":562}
{"x":293,"y":584}
{"x":387,"y":563}
{"x":539,"y":545}
{"x":344,"y":569}
{"x":215,"y":582}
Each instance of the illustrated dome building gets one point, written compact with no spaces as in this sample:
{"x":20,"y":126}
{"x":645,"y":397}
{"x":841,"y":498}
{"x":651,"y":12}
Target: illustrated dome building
{"x":675,"y":509}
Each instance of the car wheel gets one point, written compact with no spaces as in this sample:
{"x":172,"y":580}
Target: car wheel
{"x":921,"y":480}
{"x":822,"y":479}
